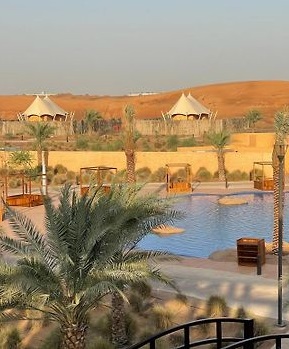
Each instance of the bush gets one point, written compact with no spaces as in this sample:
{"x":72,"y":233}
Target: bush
{"x":143,"y":174}
{"x":188,"y":142}
{"x":203,"y":174}
{"x":13,"y":339}
{"x":238,"y":175}
{"x":216,"y":306}
{"x":71,"y":175}
{"x":172,"y":142}
{"x":82,"y":143}
{"x":60,"y":169}
{"x":59,"y":179}
{"x":162,"y":317}
{"x":159,"y":175}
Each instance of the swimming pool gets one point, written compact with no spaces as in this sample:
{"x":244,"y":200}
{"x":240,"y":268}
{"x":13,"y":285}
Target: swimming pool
{"x":210,"y":226}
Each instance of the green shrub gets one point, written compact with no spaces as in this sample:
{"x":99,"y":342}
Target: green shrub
{"x":188,"y":142}
{"x":203,"y":174}
{"x":60,"y":169}
{"x":82,"y":143}
{"x":96,"y":146}
{"x":216,"y":306}
{"x":237,"y":175}
{"x":59,"y":179}
{"x":71,"y":175}
{"x":143,"y":174}
{"x":159,"y":175}
{"x":172,"y":142}
{"x":117,"y":145}
{"x":146,"y":146}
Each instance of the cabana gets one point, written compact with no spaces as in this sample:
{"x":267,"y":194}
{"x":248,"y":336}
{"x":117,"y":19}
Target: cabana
{"x":178,"y":184}
{"x":25,"y":198}
{"x":187,"y":107}
{"x":97,"y":176}
{"x":43,"y":108}
{"x":259,"y":176}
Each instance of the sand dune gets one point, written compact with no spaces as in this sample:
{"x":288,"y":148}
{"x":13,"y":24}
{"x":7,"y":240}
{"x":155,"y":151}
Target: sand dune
{"x":228,"y":100}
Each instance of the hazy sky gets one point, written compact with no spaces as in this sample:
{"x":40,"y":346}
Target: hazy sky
{"x":116,"y":47}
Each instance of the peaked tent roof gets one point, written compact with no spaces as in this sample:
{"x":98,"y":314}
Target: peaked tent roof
{"x":198,"y":106}
{"x":188,"y":106}
{"x":54,"y":107}
{"x":43,"y":106}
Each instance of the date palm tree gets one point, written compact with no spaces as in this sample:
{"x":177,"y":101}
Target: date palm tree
{"x":66,"y":271}
{"x":129,"y":143}
{"x":136,"y":261}
{"x":219,"y":140}
{"x":91,"y":116}
{"x":41,"y":131}
{"x":281,"y":125}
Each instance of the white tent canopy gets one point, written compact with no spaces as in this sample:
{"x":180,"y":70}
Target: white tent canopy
{"x":43,"y":107}
{"x":188,"y":106}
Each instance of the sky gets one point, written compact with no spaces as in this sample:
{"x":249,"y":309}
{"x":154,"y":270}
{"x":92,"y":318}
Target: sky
{"x":116,"y":47}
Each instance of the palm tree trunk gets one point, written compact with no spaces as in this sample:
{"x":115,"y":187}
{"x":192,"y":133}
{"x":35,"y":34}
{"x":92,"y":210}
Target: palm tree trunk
{"x":74,"y":336}
{"x":221,"y":167}
{"x":118,"y":330}
{"x":276,"y":203}
{"x":130,"y":165}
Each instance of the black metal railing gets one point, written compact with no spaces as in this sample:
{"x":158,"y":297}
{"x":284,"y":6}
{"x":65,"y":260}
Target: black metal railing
{"x":276,"y":338}
{"x":219,"y":339}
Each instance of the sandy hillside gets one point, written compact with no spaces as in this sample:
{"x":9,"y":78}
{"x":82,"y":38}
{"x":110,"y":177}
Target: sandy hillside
{"x":227,"y":100}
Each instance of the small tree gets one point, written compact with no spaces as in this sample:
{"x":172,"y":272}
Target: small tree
{"x":219,"y":140}
{"x":252,"y":117}
{"x":41,"y":131}
{"x":91,"y":116}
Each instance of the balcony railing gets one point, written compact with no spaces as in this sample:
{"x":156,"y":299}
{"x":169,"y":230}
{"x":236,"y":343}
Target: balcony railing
{"x":219,"y":339}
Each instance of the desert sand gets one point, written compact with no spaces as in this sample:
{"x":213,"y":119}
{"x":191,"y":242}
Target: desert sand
{"x":227,"y":100}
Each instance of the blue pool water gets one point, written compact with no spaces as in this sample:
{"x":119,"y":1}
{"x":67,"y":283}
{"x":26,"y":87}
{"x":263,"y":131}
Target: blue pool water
{"x":210,"y":226}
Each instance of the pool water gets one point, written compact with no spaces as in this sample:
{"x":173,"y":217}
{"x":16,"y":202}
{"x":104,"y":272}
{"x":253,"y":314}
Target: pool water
{"x":210,"y":226}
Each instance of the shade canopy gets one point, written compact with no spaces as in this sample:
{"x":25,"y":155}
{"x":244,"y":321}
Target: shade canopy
{"x":44,"y":108}
{"x":188,"y":107}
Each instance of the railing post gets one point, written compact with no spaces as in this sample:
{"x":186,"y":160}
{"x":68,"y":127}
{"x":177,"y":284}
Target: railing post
{"x":186,"y":337}
{"x":249,"y":332}
{"x":219,"y":334}
{"x":278,"y":343}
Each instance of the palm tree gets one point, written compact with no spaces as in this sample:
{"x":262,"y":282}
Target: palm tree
{"x":135,"y":261}
{"x":66,"y":272}
{"x":281,"y":125}
{"x":41,"y":131}
{"x":130,"y":143}
{"x":252,"y":117}
{"x":90,"y":117}
{"x":219,"y":140}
